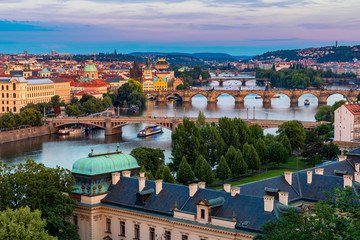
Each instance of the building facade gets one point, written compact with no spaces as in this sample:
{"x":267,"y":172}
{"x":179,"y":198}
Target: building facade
{"x":160,"y":84}
{"x":347,"y":123}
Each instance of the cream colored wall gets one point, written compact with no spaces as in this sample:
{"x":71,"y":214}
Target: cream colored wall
{"x":343,"y":125}
{"x":92,"y":222}
{"x":7,"y":99}
{"x":63,"y":90}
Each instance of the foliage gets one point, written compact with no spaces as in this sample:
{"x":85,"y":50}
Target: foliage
{"x":295,"y":132}
{"x":22,"y":223}
{"x":148,"y":174}
{"x":330,"y":151}
{"x":238,"y":164}
{"x":230,"y":155}
{"x":338,"y":219}
{"x":206,"y":173}
{"x":256,"y":133}
{"x":131,"y":93}
{"x":313,"y":146}
{"x":184,"y":173}
{"x":186,"y":141}
{"x":87,"y":105}
{"x":166,"y":175}
{"x":150,"y":158}
{"x":41,"y":188}
{"x":215,"y":145}
{"x":286,"y":143}
{"x":234,"y":132}
{"x":201,"y":119}
{"x":29,"y":116}
{"x":251,"y":157}
{"x":261,"y":149}
{"x":223,"y":170}
{"x":325,"y":113}
{"x":277,"y":153}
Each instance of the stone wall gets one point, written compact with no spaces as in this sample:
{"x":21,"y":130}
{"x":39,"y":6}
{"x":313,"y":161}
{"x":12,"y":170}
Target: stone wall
{"x":24,"y":133}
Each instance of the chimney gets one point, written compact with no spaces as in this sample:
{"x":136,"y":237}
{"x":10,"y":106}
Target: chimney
{"x":192,"y":189}
{"x":141,"y":183}
{"x":348,"y":180}
{"x":357,"y":167}
{"x":357,"y":176}
{"x":342,"y":157}
{"x":235,"y":191}
{"x":227,"y":187}
{"x":284,"y":198}
{"x":201,"y":184}
{"x":268,"y":203}
{"x":115,"y":177}
{"x":158,"y":186}
{"x":288,"y":177}
{"x":142,"y":174}
{"x":309,"y":177}
{"x":126,"y":173}
{"x":319,"y":171}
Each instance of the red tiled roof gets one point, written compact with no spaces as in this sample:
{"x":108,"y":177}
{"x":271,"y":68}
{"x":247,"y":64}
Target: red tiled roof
{"x":354,"y":108}
{"x":88,"y":92}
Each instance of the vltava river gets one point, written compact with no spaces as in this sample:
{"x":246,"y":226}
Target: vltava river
{"x":65,"y":150}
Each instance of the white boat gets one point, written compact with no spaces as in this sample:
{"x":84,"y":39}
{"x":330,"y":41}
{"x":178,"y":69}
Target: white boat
{"x":307,"y":102}
{"x":64,"y":131}
{"x":150,"y":130}
{"x":258,"y":97}
{"x":276,"y":96}
{"x":74,"y":131}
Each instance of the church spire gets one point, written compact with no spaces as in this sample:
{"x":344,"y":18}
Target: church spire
{"x":148,"y":63}
{"x":136,"y":64}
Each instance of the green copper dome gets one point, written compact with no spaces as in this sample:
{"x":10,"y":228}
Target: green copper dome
{"x":90,"y":67}
{"x":104,"y":163}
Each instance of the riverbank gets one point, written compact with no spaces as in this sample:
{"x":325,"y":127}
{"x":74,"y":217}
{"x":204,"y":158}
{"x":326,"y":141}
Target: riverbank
{"x":24,"y":133}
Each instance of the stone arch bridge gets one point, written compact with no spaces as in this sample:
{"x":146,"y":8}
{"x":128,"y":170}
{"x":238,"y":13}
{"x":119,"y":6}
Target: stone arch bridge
{"x":114,"y":125}
{"x":239,"y":95}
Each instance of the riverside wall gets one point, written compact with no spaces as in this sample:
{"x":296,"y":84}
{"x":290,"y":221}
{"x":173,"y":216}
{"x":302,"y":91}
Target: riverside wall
{"x":24,"y":133}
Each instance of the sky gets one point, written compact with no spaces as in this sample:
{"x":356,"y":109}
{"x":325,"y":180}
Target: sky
{"x":236,"y":27}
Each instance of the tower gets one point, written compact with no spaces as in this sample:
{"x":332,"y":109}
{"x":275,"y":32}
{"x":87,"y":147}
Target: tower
{"x":336,"y":43}
{"x":136,"y":72}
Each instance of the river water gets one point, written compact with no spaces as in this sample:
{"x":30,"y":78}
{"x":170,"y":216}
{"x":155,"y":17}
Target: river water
{"x":65,"y":150}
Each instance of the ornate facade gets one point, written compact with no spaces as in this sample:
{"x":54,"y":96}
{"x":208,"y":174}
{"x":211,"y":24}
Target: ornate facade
{"x":160,"y":84}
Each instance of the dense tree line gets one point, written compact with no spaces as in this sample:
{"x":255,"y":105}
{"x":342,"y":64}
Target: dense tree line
{"x":231,"y":146}
{"x":29,"y":116}
{"x":34,"y":186}
{"x":130,"y":93}
{"x":87,"y":105}
{"x":189,"y":75}
{"x":291,"y":78}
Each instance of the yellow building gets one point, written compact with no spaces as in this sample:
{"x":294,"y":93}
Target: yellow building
{"x":148,"y":85}
{"x":16,"y":92}
{"x":147,"y":73}
{"x":62,"y":89}
{"x":160,"y":84}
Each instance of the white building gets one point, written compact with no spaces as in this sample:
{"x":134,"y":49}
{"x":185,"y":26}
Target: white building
{"x":347,"y":123}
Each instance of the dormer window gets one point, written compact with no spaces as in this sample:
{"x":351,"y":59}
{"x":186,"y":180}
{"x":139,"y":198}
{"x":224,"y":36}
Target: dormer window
{"x":202,"y":213}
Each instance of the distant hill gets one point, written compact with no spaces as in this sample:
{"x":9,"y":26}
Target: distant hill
{"x":321,"y":54}
{"x":220,"y":57}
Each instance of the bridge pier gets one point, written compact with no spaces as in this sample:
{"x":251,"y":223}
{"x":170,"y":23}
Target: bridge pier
{"x":243,"y":83}
{"x":322,"y":101}
{"x":294,"y":102}
{"x":109,"y":130}
{"x":221,"y":83}
{"x":266,"y":102}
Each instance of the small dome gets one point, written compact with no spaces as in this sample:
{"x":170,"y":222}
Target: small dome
{"x":104,"y":163}
{"x":45,"y":70}
{"x":90,"y":67}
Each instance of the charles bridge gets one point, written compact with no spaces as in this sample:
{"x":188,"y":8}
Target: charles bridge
{"x":113,"y":125}
{"x":239,"y":95}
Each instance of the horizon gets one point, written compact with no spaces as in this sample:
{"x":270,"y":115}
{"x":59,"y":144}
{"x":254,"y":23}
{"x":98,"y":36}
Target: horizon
{"x":238,"y":28}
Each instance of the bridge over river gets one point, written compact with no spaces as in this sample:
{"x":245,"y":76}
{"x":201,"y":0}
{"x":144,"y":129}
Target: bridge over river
{"x":239,"y":95}
{"x":113,"y":125}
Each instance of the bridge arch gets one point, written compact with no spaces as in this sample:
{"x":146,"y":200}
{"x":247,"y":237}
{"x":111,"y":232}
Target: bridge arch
{"x":166,"y":125}
{"x":310,"y":96}
{"x":99,"y":124}
{"x":226,"y":95}
{"x":282,"y":98}
{"x":332,"y":98}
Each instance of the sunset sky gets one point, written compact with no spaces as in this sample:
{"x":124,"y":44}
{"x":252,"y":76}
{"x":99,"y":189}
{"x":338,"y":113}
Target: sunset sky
{"x":237,"y":27}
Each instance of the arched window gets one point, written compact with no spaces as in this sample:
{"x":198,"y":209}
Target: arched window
{"x":3,"y":109}
{"x":7,"y":109}
{"x":14,"y":109}
{"x":14,"y":95}
{"x":2,"y":87}
{"x":14,"y":86}
{"x":7,"y":87}
{"x":3,"y":95}
{"x":7,"y":95}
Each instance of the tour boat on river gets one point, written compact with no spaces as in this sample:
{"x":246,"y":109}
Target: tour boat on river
{"x":150,"y":130}
{"x":307,"y":102}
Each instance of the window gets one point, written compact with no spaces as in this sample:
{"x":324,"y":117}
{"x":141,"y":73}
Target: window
{"x":75,"y":220}
{"x":167,"y":235}
{"x":7,"y":87}
{"x":122,"y":228}
{"x":108,"y":225}
{"x":137,"y":231}
{"x":184,"y":237}
{"x":152,"y":234}
{"x":14,"y":109}
{"x":14,"y":95}
{"x":202,"y":214}
{"x":14,"y":86}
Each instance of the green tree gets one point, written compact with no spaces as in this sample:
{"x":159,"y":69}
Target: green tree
{"x":230,"y":155}
{"x":55,"y":101}
{"x":286,"y":143}
{"x":256,"y":133}
{"x":148,"y":174}
{"x":207,"y":174}
{"x":186,"y":141}
{"x":214,"y":143}
{"x":223,"y":170}
{"x":278,"y":153}
{"x":150,"y":158}
{"x":200,"y":161}
{"x":294,"y":130}
{"x":38,"y":187}
{"x":166,"y":175}
{"x":251,"y":157}
{"x":236,"y":163}
{"x":107,"y":102}
{"x":330,"y":151}
{"x":243,"y":166}
{"x":201,"y":119}
{"x":184,"y":173}
{"x":325,"y":113}
{"x":313,"y":146}
{"x":260,"y":148}
{"x":22,"y":223}
{"x":73,"y":110}
{"x":337,"y":219}
{"x":131,"y":93}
